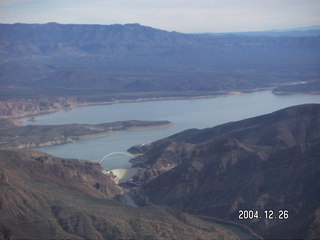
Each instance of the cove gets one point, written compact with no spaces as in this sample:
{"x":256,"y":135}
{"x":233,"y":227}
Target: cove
{"x":185,"y":114}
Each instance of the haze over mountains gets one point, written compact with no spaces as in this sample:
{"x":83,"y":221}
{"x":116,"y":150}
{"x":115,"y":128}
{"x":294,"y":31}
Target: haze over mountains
{"x":54,"y":59}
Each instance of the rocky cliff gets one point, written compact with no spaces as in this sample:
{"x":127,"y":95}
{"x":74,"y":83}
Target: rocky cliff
{"x":270,"y":162}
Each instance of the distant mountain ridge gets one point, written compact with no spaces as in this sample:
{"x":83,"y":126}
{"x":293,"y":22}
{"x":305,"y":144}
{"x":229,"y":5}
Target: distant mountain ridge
{"x":56,"y":59}
{"x":300,"y":31}
{"x":269,"y":162}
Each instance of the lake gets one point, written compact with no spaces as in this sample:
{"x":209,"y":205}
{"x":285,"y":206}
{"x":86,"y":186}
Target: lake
{"x":187,"y":113}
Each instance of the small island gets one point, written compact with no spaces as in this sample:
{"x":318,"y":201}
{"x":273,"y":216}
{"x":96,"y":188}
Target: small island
{"x":47,"y":135}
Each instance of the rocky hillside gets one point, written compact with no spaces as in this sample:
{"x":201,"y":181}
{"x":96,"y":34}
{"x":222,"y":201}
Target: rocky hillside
{"x":43,"y":197}
{"x":270,"y":162}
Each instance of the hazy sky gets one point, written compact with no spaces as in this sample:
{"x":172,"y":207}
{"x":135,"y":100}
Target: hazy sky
{"x":178,"y":15}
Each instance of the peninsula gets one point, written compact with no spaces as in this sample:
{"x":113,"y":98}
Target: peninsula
{"x":46,"y":135}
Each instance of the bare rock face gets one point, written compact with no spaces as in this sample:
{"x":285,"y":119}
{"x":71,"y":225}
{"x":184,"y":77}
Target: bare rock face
{"x":269,"y":162}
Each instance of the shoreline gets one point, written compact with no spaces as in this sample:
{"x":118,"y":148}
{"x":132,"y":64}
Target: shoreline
{"x":85,"y":104}
{"x":18,"y":122}
{"x":17,"y":117}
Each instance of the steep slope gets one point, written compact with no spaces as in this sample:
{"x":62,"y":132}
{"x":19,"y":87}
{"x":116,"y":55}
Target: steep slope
{"x":43,"y":197}
{"x":270,"y":162}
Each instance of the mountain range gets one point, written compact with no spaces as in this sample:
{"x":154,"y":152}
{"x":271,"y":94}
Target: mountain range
{"x":101,"y":60}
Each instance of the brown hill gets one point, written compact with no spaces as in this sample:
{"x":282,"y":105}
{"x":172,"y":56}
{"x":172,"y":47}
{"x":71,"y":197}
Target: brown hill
{"x":270,"y":162}
{"x":43,"y":197}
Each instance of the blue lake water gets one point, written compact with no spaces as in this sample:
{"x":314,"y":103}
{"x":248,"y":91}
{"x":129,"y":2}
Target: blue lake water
{"x":188,"y":113}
